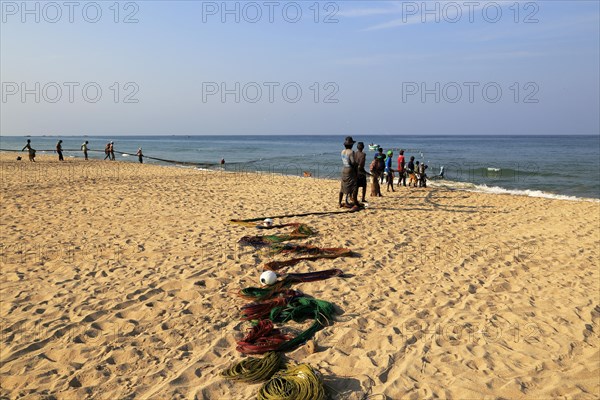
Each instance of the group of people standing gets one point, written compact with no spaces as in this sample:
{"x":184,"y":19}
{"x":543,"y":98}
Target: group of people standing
{"x":109,"y":151}
{"x":354,"y":175}
{"x":382,"y":167}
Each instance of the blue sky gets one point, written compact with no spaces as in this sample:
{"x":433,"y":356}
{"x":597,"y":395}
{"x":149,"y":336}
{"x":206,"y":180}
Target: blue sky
{"x":372,"y":68}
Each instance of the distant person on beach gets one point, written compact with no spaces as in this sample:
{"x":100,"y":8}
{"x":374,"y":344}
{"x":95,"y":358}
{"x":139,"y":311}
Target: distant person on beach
{"x":381,"y":158}
{"x":112,"y":151}
{"x":59,"y":151}
{"x":30,"y":150}
{"x":422,"y":175}
{"x":389,"y":171}
{"x":361,"y":157}
{"x":140,"y":155}
{"x":222,"y":161}
{"x":107,"y":151}
{"x":374,"y":168}
{"x":401,"y":163}
{"x":410,"y":171}
{"x":417,"y":175}
{"x":410,"y":167}
{"x":84,"y":147}
{"x":349,"y":174}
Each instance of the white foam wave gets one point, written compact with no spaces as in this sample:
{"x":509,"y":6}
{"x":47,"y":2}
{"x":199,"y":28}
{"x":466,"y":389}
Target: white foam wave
{"x":471,"y":187}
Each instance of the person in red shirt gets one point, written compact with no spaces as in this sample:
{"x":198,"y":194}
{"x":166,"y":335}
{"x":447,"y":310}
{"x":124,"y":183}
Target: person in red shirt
{"x":401,"y":174}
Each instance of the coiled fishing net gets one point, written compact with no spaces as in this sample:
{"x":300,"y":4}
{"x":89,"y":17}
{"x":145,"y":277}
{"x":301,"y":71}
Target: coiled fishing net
{"x":265,"y":337}
{"x":254,"y":370}
{"x":300,"y":382}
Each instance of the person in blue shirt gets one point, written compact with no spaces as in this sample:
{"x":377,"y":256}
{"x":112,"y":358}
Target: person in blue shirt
{"x":389,"y":171}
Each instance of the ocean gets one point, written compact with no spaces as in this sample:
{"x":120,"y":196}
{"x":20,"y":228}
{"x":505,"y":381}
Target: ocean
{"x":566,"y":167}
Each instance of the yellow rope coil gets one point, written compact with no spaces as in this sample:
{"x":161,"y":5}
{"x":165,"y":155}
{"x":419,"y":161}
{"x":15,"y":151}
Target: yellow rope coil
{"x":254,"y":370}
{"x":300,"y":382}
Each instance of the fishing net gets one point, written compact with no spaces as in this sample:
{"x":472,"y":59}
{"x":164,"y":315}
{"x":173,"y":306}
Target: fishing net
{"x":314,"y":252}
{"x":280,"y":304}
{"x":300,"y":382}
{"x":252,"y":221}
{"x":300,"y":231}
{"x":280,"y":288}
{"x":265,"y":337}
{"x":254,"y":370}
{"x":261,"y":310}
{"x":261,"y":338}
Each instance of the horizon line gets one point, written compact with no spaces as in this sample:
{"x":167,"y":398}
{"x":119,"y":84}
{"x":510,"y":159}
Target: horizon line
{"x":309,"y":134}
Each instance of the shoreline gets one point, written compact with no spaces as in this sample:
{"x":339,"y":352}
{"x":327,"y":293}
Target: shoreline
{"x":448,"y":184}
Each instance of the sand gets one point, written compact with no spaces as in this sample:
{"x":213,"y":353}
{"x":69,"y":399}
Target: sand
{"x":118,"y":280}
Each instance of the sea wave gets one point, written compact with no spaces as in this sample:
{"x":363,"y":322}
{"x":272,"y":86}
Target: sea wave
{"x":471,"y":187}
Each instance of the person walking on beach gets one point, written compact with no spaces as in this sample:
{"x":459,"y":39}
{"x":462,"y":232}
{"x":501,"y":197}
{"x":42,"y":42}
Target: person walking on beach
{"x":112,"y":151}
{"x":401,"y":163}
{"x":361,"y":157}
{"x":389,"y":171}
{"x":374,"y":168}
{"x":59,"y":151}
{"x":84,"y":147}
{"x":107,"y":151}
{"x":349,"y":174}
{"x":30,"y":150}
{"x":140,"y":155}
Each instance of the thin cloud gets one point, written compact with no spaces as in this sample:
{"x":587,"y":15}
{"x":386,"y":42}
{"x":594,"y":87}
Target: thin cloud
{"x":366,"y":12}
{"x":370,"y":11}
{"x":417,"y":16}
{"x":382,"y":59}
{"x":503,"y":55}
{"x":415,"y":19}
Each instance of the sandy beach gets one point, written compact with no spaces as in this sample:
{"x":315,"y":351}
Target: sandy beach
{"x":119,"y":280}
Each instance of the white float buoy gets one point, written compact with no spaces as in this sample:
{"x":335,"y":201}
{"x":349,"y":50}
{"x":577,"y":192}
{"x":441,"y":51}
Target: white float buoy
{"x":268,"y":278}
